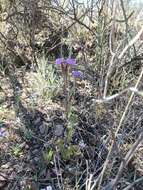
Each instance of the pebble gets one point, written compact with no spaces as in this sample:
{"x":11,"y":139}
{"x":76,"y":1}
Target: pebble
{"x":42,"y":129}
{"x":59,"y":130}
{"x":48,"y":188}
{"x":5,"y":166}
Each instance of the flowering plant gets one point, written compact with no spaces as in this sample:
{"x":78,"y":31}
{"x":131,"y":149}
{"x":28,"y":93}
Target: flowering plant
{"x":66,"y":66}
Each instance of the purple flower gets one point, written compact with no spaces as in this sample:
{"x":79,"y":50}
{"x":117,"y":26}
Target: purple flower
{"x":70,"y":61}
{"x":59,"y":61}
{"x":77,"y":74}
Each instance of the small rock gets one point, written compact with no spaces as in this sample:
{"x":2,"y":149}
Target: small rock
{"x":59,"y":130}
{"x":42,"y":129}
{"x":5,"y":166}
{"x":26,"y":146}
{"x":48,"y":188}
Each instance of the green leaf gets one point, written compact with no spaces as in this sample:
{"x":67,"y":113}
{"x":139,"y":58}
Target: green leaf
{"x":48,"y":155}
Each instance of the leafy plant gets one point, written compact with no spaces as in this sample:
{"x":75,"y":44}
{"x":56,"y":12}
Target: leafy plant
{"x":44,"y":81}
{"x":71,"y":122}
{"x":16,"y":151}
{"x":27,"y":134}
{"x":48,"y":155}
{"x":67,"y":151}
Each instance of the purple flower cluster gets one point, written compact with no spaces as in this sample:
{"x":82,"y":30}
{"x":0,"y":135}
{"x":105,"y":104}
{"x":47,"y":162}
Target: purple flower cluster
{"x":69,"y":61}
{"x":77,"y":74}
